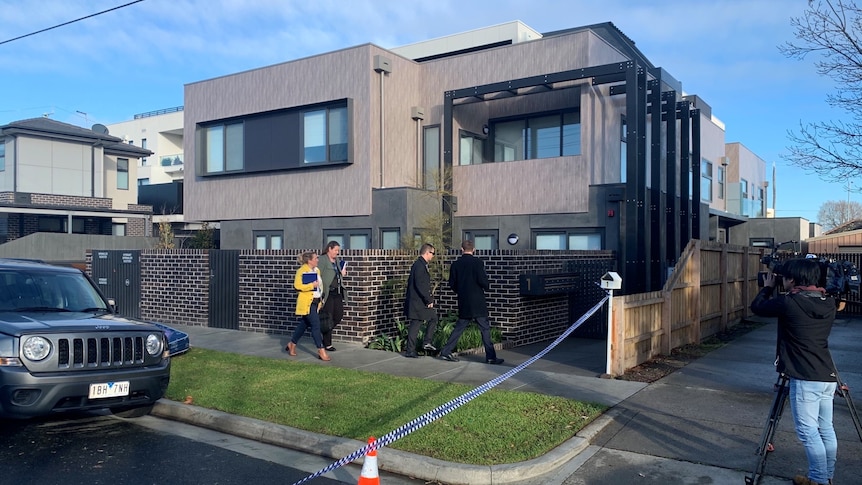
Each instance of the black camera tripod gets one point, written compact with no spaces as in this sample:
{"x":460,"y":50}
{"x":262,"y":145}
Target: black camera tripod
{"x":782,"y":391}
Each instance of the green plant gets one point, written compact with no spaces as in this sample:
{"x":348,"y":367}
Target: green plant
{"x":204,"y":238}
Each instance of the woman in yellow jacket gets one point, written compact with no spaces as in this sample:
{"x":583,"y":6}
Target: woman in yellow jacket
{"x":307,"y":282}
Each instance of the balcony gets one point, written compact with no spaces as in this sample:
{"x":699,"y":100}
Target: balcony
{"x":172,"y":163}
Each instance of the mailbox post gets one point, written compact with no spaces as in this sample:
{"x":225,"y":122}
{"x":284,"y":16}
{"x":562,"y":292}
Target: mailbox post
{"x":610,"y":281}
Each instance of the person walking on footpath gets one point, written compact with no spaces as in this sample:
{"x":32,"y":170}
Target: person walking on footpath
{"x":307,"y":282}
{"x":332,"y":272}
{"x":419,"y":302}
{"x":468,"y":279}
{"x":805,"y":316}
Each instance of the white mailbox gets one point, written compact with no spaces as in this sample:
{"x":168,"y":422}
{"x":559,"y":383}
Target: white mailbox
{"x":612,"y":281}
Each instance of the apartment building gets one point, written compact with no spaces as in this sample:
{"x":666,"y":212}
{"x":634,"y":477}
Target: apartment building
{"x":519,"y":140}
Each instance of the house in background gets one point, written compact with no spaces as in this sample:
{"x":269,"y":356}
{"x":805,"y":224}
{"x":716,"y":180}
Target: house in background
{"x":57,"y":178}
{"x":564,"y":140}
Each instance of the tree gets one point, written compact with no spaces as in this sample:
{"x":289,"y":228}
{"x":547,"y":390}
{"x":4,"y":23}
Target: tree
{"x":204,"y":238}
{"x":831,"y":29}
{"x":166,"y":236}
{"x":835,"y":213}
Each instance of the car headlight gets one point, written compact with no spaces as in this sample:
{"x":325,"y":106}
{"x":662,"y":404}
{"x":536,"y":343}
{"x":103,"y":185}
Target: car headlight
{"x":36,"y":348}
{"x":154,"y":344}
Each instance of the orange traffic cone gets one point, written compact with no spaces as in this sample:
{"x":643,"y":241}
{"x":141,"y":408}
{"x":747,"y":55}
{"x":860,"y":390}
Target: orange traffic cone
{"x":369,"y":475}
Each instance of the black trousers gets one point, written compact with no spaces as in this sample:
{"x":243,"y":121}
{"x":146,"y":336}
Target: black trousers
{"x":333,"y":309}
{"x":413,"y":332}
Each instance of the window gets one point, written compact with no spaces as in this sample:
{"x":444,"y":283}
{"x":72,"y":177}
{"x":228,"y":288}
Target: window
{"x":431,"y":154}
{"x":118,"y":229}
{"x":123,"y":173}
{"x":349,"y":239}
{"x":268,"y":239}
{"x":743,"y":187}
{"x":761,"y":242}
{"x":2,"y":155}
{"x":543,"y":136}
{"x":623,"y":150}
{"x":483,"y":239}
{"x":721,"y":175}
{"x":325,"y":135}
{"x":390,"y":238}
{"x":706,"y":180}
{"x":144,"y":146}
{"x":472,"y":147}
{"x":144,"y":181}
{"x":223,"y":150}
{"x":584,"y":239}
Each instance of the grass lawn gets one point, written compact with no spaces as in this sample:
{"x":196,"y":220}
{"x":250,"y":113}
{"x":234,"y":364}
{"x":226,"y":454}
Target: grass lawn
{"x":497,"y":427}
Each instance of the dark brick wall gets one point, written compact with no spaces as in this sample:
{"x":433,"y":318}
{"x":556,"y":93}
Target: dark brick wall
{"x":175,"y":289}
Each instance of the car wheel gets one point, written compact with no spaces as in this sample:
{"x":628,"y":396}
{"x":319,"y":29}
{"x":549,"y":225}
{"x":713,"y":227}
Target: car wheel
{"x":132,"y":412}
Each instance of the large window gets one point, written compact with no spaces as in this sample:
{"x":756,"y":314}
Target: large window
{"x":721,"y":175}
{"x":325,"y":135}
{"x":144,"y":146}
{"x":706,"y":180}
{"x":543,"y":136}
{"x":224,"y":148}
{"x":123,"y":173}
{"x":268,"y":239}
{"x":584,"y":239}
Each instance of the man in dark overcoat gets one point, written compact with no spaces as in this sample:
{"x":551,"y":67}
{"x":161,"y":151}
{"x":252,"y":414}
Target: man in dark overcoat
{"x":468,"y":279}
{"x":419,"y":302}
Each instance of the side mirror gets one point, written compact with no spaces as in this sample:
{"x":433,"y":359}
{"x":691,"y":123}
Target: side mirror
{"x":112,"y":304}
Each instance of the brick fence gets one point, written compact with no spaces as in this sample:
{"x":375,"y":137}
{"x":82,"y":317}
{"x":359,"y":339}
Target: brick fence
{"x":175,"y":289}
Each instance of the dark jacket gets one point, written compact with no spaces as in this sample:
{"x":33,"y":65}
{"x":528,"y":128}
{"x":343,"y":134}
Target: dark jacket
{"x":468,"y":280}
{"x":418,"y":296}
{"x":804,"y":323}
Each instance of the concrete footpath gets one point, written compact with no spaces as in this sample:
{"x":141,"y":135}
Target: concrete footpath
{"x":699,"y":425}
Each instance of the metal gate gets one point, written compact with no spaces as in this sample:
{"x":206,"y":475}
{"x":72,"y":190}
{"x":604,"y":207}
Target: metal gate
{"x":118,"y":274}
{"x":596,"y":327}
{"x":224,"y":289}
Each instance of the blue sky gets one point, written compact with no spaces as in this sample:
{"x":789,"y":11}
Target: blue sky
{"x":136,"y":59}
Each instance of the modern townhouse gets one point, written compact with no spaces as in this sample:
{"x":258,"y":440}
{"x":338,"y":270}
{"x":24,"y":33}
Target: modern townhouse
{"x":564,"y":140}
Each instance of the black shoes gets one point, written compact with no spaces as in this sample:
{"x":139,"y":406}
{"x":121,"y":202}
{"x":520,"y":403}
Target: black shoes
{"x":429,"y":348}
{"x":449,"y":357}
{"x":330,"y":349}
{"x":494,"y":361}
{"x":411,"y":355}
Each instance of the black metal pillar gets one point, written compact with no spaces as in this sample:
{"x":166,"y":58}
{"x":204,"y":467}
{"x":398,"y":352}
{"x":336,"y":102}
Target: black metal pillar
{"x":446,"y":127}
{"x":695,"y":174}
{"x":636,"y":272}
{"x":657,"y":193}
{"x":684,"y":173}
{"x":672,"y":209}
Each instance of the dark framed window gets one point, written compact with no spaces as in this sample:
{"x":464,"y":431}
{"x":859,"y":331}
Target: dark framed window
{"x":574,"y":238}
{"x":2,"y":155}
{"x":223,"y":148}
{"x":471,"y":149}
{"x":268,"y":239}
{"x":324,"y":132}
{"x":721,"y":175}
{"x":624,"y":150}
{"x":123,"y":173}
{"x":348,"y":238}
{"x":484,"y":239}
{"x":540,"y":136}
{"x":390,"y":238}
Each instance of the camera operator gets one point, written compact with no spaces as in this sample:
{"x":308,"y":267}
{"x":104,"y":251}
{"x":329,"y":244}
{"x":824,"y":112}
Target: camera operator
{"x":805,"y":315}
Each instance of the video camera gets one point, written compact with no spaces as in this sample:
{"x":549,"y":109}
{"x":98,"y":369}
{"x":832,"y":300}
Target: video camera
{"x":774,"y":263}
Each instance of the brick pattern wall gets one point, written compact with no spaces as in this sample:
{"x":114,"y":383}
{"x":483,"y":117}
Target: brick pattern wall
{"x":136,"y":227}
{"x":70,"y":201}
{"x":174,"y":286}
{"x":175,"y":289}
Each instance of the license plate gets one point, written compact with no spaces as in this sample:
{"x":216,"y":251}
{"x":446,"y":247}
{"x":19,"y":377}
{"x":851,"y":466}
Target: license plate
{"x":109,"y":389}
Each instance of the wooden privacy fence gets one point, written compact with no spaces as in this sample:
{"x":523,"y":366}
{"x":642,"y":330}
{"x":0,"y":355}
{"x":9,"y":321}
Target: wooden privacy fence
{"x":709,"y":290}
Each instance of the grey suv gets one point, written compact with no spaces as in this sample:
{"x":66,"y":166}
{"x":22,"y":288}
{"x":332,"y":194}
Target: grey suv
{"x":62,"y":348}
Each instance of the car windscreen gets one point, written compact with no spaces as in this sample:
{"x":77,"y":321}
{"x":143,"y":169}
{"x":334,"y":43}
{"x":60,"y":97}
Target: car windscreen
{"x":48,"y":291}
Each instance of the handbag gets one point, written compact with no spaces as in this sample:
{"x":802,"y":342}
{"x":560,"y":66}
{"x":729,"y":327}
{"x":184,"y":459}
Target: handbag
{"x":325,"y":322}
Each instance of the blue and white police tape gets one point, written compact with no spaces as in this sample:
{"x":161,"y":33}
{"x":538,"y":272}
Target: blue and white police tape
{"x":452,"y":405}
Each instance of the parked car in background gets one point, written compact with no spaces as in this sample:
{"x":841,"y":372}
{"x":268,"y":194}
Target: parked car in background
{"x":62,"y":348}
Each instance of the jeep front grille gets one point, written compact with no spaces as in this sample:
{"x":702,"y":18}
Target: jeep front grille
{"x":95,"y":351}
{"x":100,"y":352}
